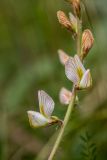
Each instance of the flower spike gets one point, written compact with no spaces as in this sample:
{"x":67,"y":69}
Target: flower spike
{"x":76,"y":73}
{"x":46,"y":106}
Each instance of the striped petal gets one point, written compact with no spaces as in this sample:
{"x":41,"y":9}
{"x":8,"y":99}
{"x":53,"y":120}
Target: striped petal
{"x":36,"y":119}
{"x":79,"y":64}
{"x":46,"y":103}
{"x":71,"y":71}
{"x":86,"y":80}
{"x":63,"y":57}
{"x":65,"y":96}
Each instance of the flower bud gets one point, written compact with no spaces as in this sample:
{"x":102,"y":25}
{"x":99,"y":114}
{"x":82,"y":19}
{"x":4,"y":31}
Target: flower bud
{"x":76,"y":7}
{"x":73,"y":21}
{"x":87,"y":42}
{"x":65,"y":96}
{"x":63,"y":20}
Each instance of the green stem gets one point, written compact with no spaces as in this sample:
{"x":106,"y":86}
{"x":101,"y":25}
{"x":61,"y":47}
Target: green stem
{"x":79,"y":28}
{"x":61,"y":132}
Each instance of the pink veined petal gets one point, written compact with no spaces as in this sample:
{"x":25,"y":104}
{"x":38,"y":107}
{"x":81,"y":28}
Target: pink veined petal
{"x":63,"y":56}
{"x":46,"y":103}
{"x":86,"y":80}
{"x":79,"y":63}
{"x":36,"y":119}
{"x":65,"y":96}
{"x":71,"y":71}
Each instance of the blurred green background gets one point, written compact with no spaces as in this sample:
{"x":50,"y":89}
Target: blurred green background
{"x":30,"y":36}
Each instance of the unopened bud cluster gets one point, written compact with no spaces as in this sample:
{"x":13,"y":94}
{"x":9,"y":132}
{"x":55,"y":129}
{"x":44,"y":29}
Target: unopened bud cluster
{"x":69,"y":23}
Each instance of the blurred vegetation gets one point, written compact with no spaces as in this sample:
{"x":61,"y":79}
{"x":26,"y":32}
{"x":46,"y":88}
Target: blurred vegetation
{"x":29,"y":38}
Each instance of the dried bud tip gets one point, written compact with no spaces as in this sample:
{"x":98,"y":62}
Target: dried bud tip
{"x":63,"y":20}
{"x":87,"y":41}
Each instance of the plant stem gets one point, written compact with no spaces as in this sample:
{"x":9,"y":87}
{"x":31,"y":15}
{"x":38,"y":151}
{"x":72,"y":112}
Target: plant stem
{"x":71,"y":104}
{"x":79,"y":28}
{"x":61,"y":132}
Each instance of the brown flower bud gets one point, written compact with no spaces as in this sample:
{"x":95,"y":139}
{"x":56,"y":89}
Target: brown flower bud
{"x":76,"y":7}
{"x":87,"y":41}
{"x":63,"y":20}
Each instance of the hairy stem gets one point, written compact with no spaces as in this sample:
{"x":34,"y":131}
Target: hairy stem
{"x":61,"y":132}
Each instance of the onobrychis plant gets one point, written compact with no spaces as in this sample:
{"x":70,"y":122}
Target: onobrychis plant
{"x":74,"y":70}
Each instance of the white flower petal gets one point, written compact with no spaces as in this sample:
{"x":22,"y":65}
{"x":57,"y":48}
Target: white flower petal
{"x":63,"y":56}
{"x":73,"y":20}
{"x":36,"y":119}
{"x":79,"y":64}
{"x":65,"y":96}
{"x":86,"y":80}
{"x":71,"y":71}
{"x":46,"y":103}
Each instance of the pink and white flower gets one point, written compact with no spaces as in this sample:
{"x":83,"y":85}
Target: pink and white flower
{"x":76,"y":73}
{"x":46,"y":107}
{"x":65,"y":96}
